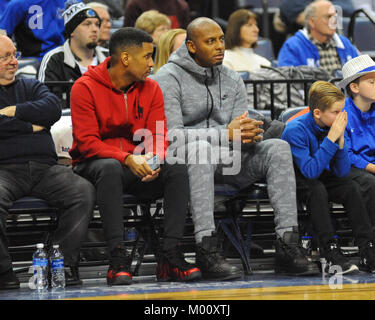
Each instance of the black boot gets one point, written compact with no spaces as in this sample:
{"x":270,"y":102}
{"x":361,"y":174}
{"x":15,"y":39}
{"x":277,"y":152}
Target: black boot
{"x":210,"y":261}
{"x":290,"y":257}
{"x":9,"y":280}
{"x":72,"y":276}
{"x":367,"y":261}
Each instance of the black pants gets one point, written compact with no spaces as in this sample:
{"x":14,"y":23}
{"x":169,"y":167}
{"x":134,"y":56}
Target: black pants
{"x":366,"y":181}
{"x":318,"y":192}
{"x":59,"y":186}
{"x":111,"y":180}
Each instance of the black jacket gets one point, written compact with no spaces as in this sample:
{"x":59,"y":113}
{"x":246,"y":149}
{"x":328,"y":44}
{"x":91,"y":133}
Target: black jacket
{"x":60,"y":65}
{"x":35,"y":104}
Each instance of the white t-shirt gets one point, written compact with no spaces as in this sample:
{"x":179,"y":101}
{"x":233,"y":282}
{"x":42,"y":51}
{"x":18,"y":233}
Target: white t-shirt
{"x":84,"y":69}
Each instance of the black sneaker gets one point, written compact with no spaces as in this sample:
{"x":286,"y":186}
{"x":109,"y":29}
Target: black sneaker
{"x":367,"y":262}
{"x":9,"y":280}
{"x":335,"y":257}
{"x":172,"y":266}
{"x":119,"y":268}
{"x":210,"y":260}
{"x":290,"y":257}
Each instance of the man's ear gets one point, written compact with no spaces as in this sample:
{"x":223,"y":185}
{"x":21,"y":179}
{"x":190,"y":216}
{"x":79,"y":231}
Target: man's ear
{"x":311,"y":22}
{"x":191,"y":46}
{"x":125,"y":58}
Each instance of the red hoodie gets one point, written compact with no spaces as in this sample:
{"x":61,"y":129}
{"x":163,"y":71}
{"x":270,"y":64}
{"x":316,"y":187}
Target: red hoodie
{"x":105,"y":119}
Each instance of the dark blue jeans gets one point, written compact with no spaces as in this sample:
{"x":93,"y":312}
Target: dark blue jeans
{"x":59,"y":186}
{"x":112,"y":180}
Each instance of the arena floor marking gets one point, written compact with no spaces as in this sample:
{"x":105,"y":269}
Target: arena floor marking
{"x":316,"y":292}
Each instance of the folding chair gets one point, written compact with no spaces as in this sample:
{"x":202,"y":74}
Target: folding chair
{"x":28,"y":217}
{"x":234,"y":201}
{"x":138,"y":214}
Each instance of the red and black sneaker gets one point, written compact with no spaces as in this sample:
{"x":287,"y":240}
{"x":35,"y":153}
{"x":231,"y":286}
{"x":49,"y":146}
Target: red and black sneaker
{"x":119,"y":268}
{"x":172,"y":266}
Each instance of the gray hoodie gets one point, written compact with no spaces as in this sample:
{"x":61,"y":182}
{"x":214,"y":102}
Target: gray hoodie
{"x":190,"y":91}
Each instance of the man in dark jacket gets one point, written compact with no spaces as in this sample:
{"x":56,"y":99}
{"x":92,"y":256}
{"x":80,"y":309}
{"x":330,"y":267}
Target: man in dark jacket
{"x":28,"y":165}
{"x":69,"y":61}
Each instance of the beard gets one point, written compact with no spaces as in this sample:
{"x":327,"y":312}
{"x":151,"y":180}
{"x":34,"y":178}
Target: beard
{"x":92,"y":45}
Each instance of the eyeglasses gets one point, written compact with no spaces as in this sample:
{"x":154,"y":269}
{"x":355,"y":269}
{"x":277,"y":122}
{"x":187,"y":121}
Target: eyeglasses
{"x":7,"y":58}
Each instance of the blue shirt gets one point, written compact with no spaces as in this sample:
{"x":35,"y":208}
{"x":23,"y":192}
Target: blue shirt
{"x":298,"y":50}
{"x":37,"y":25}
{"x":360,"y":134}
{"x":312,"y":151}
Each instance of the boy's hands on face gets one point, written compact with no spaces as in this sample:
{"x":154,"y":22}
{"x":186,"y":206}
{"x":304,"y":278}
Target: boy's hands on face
{"x":337,"y":130}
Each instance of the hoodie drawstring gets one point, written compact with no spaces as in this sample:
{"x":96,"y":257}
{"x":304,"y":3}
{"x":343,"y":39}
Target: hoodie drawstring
{"x":211,"y":97}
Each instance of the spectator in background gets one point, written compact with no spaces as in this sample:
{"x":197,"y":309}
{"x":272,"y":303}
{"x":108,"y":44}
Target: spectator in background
{"x":177,"y":10}
{"x":105,"y":25}
{"x":154,"y":23}
{"x":318,"y":44}
{"x":37,"y":26}
{"x":240,"y":38}
{"x":168,"y":43}
{"x":80,"y":50}
{"x":114,"y":7}
{"x":292,"y":13}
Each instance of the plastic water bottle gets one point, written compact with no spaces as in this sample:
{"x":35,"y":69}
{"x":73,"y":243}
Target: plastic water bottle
{"x":130,"y":238}
{"x":57,"y":268}
{"x":40,"y":266}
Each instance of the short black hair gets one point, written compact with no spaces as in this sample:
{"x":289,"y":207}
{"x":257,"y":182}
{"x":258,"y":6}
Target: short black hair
{"x":125,"y":38}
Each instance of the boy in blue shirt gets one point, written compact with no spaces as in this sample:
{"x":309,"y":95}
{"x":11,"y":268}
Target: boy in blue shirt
{"x":322,"y":166}
{"x":359,"y":82}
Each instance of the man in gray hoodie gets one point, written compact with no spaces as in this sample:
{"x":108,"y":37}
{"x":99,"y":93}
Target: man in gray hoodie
{"x":205,"y":106}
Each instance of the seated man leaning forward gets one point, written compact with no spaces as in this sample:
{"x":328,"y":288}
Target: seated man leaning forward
{"x":204,"y":99}
{"x":28,"y":165}
{"x":118,"y":121}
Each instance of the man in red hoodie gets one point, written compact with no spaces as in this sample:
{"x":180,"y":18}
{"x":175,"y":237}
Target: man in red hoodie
{"x":118,"y":123}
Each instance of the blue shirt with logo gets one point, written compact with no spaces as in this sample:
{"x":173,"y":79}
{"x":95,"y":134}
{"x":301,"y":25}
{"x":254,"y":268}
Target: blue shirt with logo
{"x":37,"y":25}
{"x":360,"y":134}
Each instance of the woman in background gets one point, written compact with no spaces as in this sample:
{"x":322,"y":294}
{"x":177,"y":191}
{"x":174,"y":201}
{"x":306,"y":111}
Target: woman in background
{"x":168,"y":43}
{"x":154,"y":23}
{"x":240,"y":39}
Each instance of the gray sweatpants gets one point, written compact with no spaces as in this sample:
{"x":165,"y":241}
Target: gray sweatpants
{"x":269,"y":160}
